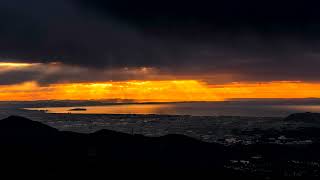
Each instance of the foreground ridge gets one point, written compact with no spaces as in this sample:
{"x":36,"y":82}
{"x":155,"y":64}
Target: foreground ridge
{"x":24,"y":142}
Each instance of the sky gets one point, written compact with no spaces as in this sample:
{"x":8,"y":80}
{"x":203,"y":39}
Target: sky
{"x":160,"y":50}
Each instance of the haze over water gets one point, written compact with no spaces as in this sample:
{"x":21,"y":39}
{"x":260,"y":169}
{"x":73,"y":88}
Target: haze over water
{"x":194,"y":109}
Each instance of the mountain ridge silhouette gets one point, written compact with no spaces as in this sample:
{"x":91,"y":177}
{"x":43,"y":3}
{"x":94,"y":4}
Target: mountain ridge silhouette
{"x":27,"y":144}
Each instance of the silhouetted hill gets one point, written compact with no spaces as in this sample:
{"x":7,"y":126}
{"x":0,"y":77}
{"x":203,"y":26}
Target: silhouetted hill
{"x":15,"y":126}
{"x":26,"y":141}
{"x":306,"y":117}
{"x":29,"y":145}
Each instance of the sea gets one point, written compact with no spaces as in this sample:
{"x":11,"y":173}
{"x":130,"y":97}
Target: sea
{"x":190,"y":108}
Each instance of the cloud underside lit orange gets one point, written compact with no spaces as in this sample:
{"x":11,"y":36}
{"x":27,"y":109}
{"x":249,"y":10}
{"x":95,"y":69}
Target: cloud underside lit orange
{"x":161,"y":91}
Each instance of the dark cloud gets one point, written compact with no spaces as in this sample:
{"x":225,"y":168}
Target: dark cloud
{"x":214,"y":15}
{"x":247,"y":40}
{"x":16,"y":77}
{"x":52,"y":73}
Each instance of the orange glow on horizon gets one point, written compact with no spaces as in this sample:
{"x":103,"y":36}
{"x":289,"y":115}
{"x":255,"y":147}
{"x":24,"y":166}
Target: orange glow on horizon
{"x":15,"y":65}
{"x":161,"y":91}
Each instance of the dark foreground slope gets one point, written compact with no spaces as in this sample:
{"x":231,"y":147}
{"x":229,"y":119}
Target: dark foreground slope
{"x":31,"y":146}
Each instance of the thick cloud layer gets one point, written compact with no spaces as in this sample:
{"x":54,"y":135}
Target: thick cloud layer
{"x":217,"y":41}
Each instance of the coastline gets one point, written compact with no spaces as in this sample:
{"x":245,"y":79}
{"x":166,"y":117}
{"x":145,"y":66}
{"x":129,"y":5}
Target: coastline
{"x":219,"y":129}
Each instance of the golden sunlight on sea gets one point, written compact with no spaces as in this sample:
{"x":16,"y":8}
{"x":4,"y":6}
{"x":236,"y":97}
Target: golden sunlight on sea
{"x":161,"y":91}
